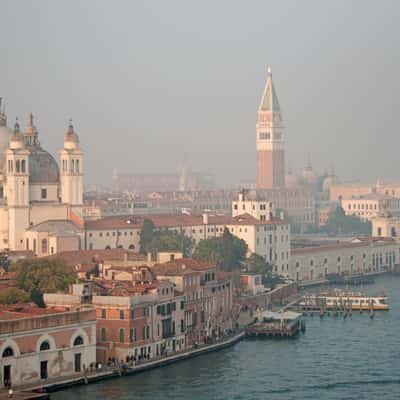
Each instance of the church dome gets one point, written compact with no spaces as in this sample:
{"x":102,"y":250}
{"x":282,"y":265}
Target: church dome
{"x":43,"y":168}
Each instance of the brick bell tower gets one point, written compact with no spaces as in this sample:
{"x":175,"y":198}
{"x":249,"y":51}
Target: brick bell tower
{"x":270,"y":140}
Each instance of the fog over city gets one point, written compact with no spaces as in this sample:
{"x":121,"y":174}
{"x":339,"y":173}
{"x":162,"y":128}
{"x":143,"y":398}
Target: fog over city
{"x":152,"y":84}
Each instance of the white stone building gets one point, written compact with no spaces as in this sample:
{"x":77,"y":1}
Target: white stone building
{"x":344,"y":258}
{"x":32,"y":189}
{"x":370,"y":205}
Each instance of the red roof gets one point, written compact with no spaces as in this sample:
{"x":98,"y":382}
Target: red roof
{"x":182,"y":266}
{"x":174,"y":220}
{"x":337,"y":246}
{"x":74,"y":258}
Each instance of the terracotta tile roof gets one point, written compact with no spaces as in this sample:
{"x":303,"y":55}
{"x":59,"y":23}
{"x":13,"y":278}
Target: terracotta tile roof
{"x":336,"y":246}
{"x":74,"y":258}
{"x":174,"y":220}
{"x":23,"y":310}
{"x":181,"y":266}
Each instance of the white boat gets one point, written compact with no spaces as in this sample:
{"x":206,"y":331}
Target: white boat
{"x":345,"y":300}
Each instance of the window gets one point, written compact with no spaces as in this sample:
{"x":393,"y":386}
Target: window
{"x":78,"y":341}
{"x":103,"y":334}
{"x":44,"y":346}
{"x":132,"y":335}
{"x":121,"y":314}
{"x":132,"y":316}
{"x":44,"y":246}
{"x":103,"y":313}
{"x":8,"y":352}
{"x":122,"y":335}
{"x":44,"y":193}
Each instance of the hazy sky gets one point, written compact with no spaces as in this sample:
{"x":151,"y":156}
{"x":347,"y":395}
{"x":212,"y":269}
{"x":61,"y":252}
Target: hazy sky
{"x":149,"y":84}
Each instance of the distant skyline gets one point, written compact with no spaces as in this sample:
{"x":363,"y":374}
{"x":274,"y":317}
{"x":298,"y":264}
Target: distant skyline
{"x":149,"y":85}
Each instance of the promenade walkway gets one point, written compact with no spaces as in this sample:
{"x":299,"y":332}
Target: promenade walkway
{"x":128,"y":369}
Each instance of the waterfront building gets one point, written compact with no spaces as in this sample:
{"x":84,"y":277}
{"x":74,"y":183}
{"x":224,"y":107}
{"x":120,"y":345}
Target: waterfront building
{"x":38,"y":344}
{"x":357,"y":256}
{"x":208,"y":297}
{"x":141,"y":319}
{"x":32,"y":188}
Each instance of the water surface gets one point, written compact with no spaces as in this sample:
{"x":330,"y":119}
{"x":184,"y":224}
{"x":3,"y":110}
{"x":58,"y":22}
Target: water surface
{"x":337,"y":358}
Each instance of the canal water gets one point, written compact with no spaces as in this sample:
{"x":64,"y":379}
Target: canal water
{"x":337,"y":358}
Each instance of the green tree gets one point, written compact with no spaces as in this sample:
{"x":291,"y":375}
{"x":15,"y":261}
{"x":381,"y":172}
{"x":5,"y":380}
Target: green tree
{"x":340,"y":223}
{"x":166,"y":240}
{"x":41,"y":275}
{"x":14,"y":295}
{"x":227,"y":251}
{"x":146,"y":236}
{"x":256,"y":263}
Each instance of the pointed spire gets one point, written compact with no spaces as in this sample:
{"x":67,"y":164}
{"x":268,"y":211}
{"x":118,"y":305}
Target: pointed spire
{"x":269,"y":101}
{"x":16,"y":126}
{"x":3,"y":117}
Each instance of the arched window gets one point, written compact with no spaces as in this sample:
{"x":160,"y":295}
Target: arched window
{"x":17,"y":164}
{"x":76,"y":165}
{"x":108,"y":247}
{"x":44,"y":246}
{"x":131,"y":247}
{"x":44,"y":345}
{"x":23,"y":166}
{"x":72,"y":166}
{"x":122,"y":335}
{"x":8,"y":352}
{"x":78,"y":341}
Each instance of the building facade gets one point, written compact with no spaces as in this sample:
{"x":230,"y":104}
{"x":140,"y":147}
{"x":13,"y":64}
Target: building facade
{"x":371,"y":205}
{"x":344,"y":258}
{"x":39,"y":344}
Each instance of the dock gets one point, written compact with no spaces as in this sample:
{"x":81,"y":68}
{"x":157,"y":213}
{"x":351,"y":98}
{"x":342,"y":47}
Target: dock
{"x":277,"y":324}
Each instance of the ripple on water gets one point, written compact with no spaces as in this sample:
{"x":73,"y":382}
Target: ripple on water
{"x":357,"y":358}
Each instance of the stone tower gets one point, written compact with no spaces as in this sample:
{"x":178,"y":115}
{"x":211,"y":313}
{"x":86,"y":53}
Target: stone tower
{"x":270,"y":140}
{"x":17,"y":175}
{"x":71,"y":165}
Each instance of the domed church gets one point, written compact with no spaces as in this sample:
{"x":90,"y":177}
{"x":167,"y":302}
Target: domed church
{"x":33,"y":187}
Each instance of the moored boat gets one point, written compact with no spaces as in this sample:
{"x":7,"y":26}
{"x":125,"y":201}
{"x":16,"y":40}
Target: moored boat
{"x":338,"y":300}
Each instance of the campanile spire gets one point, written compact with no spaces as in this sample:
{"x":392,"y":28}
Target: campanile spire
{"x":270,"y":139}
